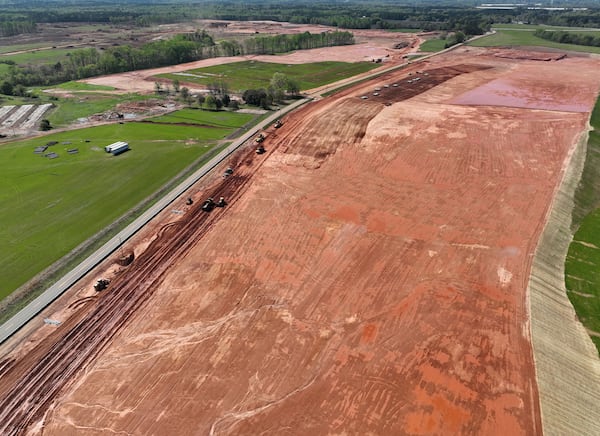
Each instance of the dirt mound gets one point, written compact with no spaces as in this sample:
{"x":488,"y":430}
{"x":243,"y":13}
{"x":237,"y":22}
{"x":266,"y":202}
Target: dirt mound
{"x":530,"y":55}
{"x":125,"y":259}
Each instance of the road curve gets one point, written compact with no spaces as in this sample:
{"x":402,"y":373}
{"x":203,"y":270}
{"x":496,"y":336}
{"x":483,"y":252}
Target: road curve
{"x":26,"y":314}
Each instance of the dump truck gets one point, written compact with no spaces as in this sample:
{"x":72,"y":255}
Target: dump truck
{"x":101,"y":285}
{"x":278,"y":124}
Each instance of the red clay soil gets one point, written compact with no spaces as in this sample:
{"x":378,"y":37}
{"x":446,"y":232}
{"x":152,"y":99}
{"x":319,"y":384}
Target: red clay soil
{"x":368,"y":276}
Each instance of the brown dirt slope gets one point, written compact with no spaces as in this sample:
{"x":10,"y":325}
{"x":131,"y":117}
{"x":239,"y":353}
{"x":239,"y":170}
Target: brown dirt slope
{"x":369,"y":276}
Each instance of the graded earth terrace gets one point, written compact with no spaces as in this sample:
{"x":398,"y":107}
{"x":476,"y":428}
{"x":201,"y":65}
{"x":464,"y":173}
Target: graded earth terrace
{"x":368,"y":274}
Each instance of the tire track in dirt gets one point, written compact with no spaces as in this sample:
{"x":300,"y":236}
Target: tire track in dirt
{"x":54,"y":364}
{"x":28,"y":390}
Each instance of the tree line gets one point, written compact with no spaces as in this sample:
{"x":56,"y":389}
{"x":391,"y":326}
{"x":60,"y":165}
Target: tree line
{"x":16,"y":27}
{"x":351,"y":14}
{"x":588,"y":39}
{"x":284,"y":43}
{"x":181,"y":48}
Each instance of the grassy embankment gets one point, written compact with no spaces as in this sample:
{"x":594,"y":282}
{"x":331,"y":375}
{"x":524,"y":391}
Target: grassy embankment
{"x":433,"y":45}
{"x":240,"y":76}
{"x":405,"y":30}
{"x":582,"y":266}
{"x":522,"y":35}
{"x":51,"y":205}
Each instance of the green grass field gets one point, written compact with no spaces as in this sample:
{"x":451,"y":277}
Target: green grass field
{"x":49,"y":206}
{"x":532,"y":27}
{"x":80,"y":86}
{"x":221,"y":119}
{"x":49,"y":56}
{"x":405,"y":30}
{"x":69,"y":109}
{"x":19,"y":47}
{"x":582,"y":266}
{"x":526,"y":38}
{"x":240,"y":76}
{"x":433,"y":45}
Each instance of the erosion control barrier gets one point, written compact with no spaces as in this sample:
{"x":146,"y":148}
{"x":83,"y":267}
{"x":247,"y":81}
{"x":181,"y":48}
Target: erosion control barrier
{"x":566,"y":360}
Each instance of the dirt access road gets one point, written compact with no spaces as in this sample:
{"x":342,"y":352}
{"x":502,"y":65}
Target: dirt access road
{"x":368,"y":275}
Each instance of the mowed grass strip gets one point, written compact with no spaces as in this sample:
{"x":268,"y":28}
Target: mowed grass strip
{"x":49,"y":206}
{"x":240,"y":76}
{"x":82,"y":86}
{"x":533,"y":27}
{"x":526,"y":38}
{"x":582,"y":266}
{"x":405,"y":30}
{"x":20,"y":47}
{"x":205,"y":118}
{"x":433,"y":45}
{"x":50,"y":56}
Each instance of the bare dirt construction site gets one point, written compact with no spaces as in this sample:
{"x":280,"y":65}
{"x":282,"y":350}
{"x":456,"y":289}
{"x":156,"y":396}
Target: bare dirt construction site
{"x":367,"y":276}
{"x":370,"y":45}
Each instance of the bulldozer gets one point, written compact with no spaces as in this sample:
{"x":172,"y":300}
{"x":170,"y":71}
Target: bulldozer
{"x":260,"y":138}
{"x":101,"y":285}
{"x":278,"y":124}
{"x":221,"y":202}
{"x":260,"y":149}
{"x":208,"y":205}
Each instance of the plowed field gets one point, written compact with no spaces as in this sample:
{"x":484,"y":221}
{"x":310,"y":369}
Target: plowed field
{"x":368,"y":275}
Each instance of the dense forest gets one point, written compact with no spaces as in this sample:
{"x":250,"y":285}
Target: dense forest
{"x":179,"y":49}
{"x":344,"y":14}
{"x":447,"y":16}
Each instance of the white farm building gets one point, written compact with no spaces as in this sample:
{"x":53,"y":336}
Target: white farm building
{"x":117,"y":148}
